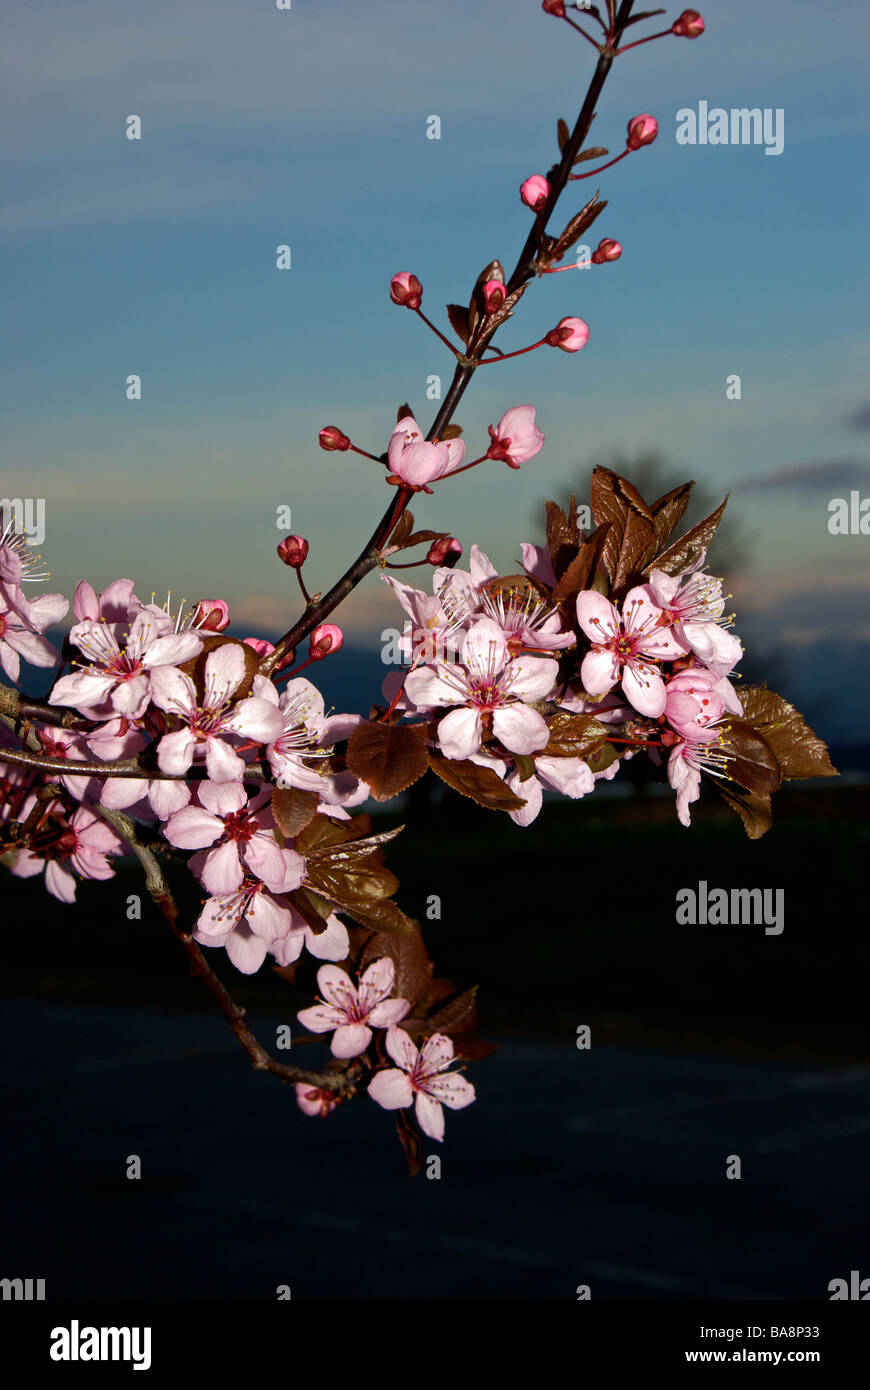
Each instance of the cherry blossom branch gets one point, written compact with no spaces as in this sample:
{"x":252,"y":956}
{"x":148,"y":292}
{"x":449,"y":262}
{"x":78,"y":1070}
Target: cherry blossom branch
{"x":161,"y":894}
{"x":523,"y":272}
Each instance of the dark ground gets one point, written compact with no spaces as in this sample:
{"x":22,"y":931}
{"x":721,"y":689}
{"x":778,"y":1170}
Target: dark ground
{"x":604,"y":1167}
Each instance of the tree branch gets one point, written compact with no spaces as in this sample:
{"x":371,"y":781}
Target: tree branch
{"x":158,"y":888}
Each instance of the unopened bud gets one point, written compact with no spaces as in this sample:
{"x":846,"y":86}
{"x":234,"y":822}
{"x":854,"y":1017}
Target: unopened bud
{"x":690,"y":25}
{"x":608,"y":250}
{"x":259,"y":645}
{"x":642,"y":130}
{"x":445,"y":552}
{"x":293,"y":550}
{"x":212,"y":615}
{"x":406,"y":289}
{"x":554,"y":7}
{"x":534,"y":192}
{"x":325,"y":639}
{"x":332,"y":438}
{"x":494,"y":295}
{"x":570,"y":335}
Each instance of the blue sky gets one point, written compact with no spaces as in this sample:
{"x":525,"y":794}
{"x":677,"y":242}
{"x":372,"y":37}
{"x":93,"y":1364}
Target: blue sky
{"x":308,"y":127}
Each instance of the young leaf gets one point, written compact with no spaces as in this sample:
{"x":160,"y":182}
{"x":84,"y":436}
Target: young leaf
{"x":479,"y":784}
{"x":563,"y":538}
{"x":799,"y":752}
{"x":594,"y":152}
{"x":574,"y":735}
{"x":403,"y":412}
{"x":603,"y":757}
{"x":750,"y":759}
{"x":389,"y":757}
{"x":689,"y":547}
{"x":563,"y":134}
{"x":752,"y":808}
{"x":458,"y":317}
{"x":293,"y":809}
{"x":668,"y":510}
{"x":411,"y":1142}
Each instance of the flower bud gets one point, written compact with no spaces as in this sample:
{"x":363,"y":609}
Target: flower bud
{"x":554,"y":7}
{"x":534,"y":192}
{"x":690,"y":25}
{"x":494,"y":295}
{"x":642,"y":130}
{"x":445,"y":552}
{"x":259,"y":645}
{"x":293,"y":550}
{"x":406,"y":289}
{"x":570,"y":335}
{"x":608,"y":250}
{"x":212,"y":615}
{"x":324,"y":640}
{"x":332,"y":438}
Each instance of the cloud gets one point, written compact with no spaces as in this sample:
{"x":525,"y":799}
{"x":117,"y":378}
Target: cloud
{"x":860,"y":419}
{"x":808,"y":477}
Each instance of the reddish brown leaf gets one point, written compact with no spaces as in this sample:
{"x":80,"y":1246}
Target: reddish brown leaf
{"x":480,"y":784}
{"x":687,"y":549}
{"x":402,"y":529}
{"x":459,"y":1016}
{"x":752,"y":808}
{"x":580,"y":223}
{"x":563,"y":134}
{"x":799,"y":752}
{"x":411,"y":1143}
{"x":668,"y":510}
{"x":389,"y":757}
{"x":594,"y":152}
{"x":574,"y":735}
{"x":403,"y":412}
{"x":750,"y":759}
{"x":411,"y":959}
{"x":451,"y":432}
{"x":563,"y":539}
{"x":632,"y":526}
{"x":458,"y":317}
{"x":293,"y":809}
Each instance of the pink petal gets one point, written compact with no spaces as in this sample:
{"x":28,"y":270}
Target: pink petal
{"x":224,"y":673}
{"x":246,"y":951}
{"x":350,"y":1040}
{"x":520,"y":728}
{"x":430,"y":1116}
{"x":389,"y":1013}
{"x":222,"y":763}
{"x":222,"y":869}
{"x":597,"y":617}
{"x":453,"y":1091}
{"x":400,"y":1047}
{"x":459,"y":733}
{"x":599,"y":672}
{"x":391,"y":1089}
{"x":645,"y":689}
{"x":321,"y":1018}
{"x":193,"y":828}
{"x":175,"y":752}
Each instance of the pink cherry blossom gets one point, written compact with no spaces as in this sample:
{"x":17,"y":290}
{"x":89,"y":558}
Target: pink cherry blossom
{"x":247,"y":922}
{"x":206,"y":726}
{"x":324,"y":640}
{"x":242,"y":833}
{"x":434,"y":634}
{"x":516,"y":438}
{"x":696,"y":701}
{"x":525,"y":619}
{"x":486,"y":685}
{"x":80,"y":846}
{"x":694,"y":603}
{"x":21,"y":628}
{"x":353,"y":1010}
{"x":122,"y":664}
{"x":687,"y":760}
{"x":414,"y":462}
{"x":117,"y":604}
{"x":537,"y":563}
{"x":626,"y":648}
{"x":421,"y":1077}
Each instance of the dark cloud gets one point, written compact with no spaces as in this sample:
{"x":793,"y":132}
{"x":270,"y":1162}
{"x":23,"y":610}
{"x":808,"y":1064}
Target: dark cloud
{"x":808,"y":477}
{"x":860,"y":419}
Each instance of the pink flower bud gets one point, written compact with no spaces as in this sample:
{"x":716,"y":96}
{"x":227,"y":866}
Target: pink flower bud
{"x":554,"y":7}
{"x":324,"y":640}
{"x":570,"y":335}
{"x":332,"y":438}
{"x":535,"y":192}
{"x":608,"y":250}
{"x":293,"y":550}
{"x":642,"y":130}
{"x":406,"y":289}
{"x":445,"y":552}
{"x":690,"y":25}
{"x":312,"y":1101}
{"x":494,"y":295}
{"x":260,"y":646}
{"x":516,"y":438}
{"x":212,"y":615}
